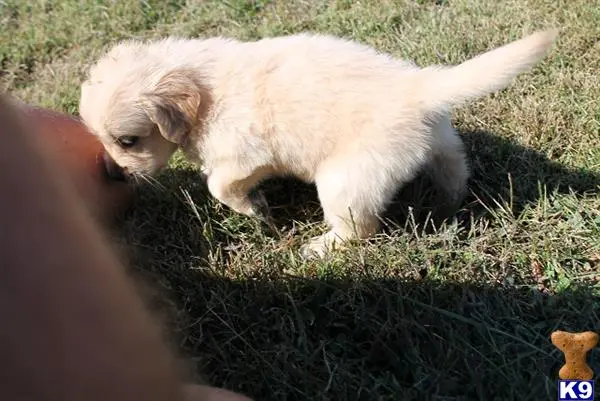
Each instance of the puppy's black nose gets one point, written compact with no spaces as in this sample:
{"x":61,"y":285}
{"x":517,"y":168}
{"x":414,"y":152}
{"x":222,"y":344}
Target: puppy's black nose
{"x":113,"y":170}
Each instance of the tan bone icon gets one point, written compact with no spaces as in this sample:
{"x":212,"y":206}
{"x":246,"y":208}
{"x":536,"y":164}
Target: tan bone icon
{"x":575,"y":346}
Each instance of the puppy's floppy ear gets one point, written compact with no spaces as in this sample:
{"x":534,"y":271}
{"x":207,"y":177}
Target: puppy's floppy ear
{"x":174,"y":104}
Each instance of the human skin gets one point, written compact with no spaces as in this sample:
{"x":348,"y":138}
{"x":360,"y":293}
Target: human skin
{"x":73,"y":326}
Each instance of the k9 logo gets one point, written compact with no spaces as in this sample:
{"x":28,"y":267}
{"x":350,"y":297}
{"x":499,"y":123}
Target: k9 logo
{"x":575,"y":390}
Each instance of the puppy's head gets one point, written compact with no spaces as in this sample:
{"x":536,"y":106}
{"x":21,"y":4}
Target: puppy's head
{"x":140,"y":115}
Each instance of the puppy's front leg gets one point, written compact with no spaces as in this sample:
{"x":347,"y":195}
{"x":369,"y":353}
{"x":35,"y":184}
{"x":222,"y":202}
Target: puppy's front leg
{"x":234,"y":191}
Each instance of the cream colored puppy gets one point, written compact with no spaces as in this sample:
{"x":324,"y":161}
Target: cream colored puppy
{"x":356,"y":122}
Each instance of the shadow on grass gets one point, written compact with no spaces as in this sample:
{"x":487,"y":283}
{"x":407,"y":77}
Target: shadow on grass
{"x":276,"y":337}
{"x":374,"y":339}
{"x":493,"y":159}
{"x":503,"y":174}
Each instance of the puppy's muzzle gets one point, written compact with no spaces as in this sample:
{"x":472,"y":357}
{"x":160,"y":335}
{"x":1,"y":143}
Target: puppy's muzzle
{"x":113,"y":170}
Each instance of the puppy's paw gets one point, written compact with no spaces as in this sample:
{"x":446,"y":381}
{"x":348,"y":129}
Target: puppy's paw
{"x":309,"y":252}
{"x":318,"y":247}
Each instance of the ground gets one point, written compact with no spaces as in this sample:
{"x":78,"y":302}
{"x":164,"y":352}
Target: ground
{"x":460,"y":309}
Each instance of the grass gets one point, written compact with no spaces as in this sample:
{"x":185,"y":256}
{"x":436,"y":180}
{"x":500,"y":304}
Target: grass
{"x":460,"y":309}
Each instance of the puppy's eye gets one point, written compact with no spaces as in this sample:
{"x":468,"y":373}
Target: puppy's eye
{"x":127,"y":141}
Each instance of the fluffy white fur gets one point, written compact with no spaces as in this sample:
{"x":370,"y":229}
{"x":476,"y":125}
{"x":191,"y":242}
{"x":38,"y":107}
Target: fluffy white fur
{"x":356,"y":122}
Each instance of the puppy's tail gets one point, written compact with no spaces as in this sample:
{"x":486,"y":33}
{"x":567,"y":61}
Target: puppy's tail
{"x":444,"y":87}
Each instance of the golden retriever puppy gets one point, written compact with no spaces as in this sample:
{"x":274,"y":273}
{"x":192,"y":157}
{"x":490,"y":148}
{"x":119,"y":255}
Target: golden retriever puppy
{"x":356,"y":122}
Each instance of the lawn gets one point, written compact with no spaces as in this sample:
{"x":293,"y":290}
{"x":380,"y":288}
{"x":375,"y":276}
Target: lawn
{"x":460,"y":309}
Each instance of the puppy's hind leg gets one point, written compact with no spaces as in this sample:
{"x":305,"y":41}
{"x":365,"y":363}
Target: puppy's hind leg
{"x":449,"y":168}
